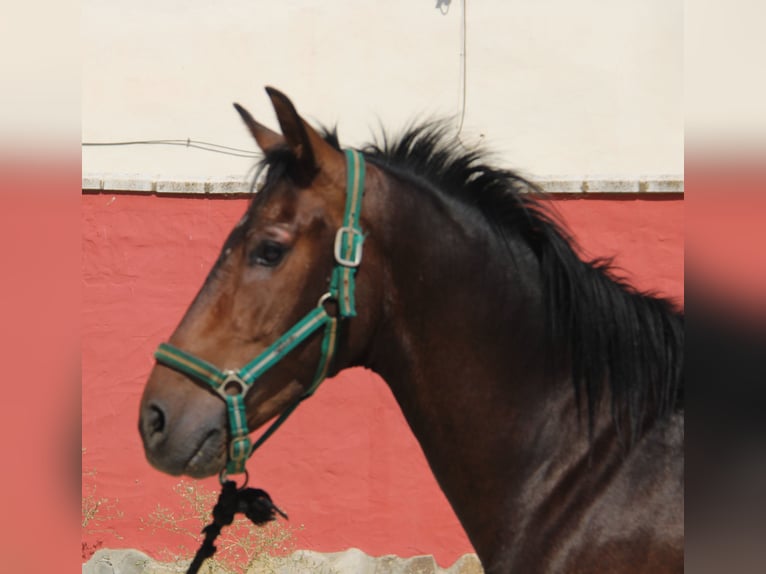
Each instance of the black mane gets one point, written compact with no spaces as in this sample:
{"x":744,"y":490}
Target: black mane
{"x":597,"y":325}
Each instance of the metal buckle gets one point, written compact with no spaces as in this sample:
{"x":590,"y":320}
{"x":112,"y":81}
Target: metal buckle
{"x":357,"y":239}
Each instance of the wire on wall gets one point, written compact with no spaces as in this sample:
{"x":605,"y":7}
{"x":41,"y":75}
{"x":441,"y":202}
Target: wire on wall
{"x":206,"y":146}
{"x":462,"y":81}
{"x":237,"y":152}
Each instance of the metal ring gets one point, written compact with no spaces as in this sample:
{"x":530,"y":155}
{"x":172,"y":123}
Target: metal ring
{"x":222,"y":478}
{"x":231,"y":376}
{"x":329,"y":297}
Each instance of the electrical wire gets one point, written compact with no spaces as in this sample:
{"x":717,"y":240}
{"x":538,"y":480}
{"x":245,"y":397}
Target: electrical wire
{"x":237,"y":152}
{"x":463,"y":82}
{"x":206,"y":146}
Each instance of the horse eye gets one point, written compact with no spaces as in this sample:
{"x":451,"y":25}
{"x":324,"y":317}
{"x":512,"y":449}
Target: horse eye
{"x":267,"y":253}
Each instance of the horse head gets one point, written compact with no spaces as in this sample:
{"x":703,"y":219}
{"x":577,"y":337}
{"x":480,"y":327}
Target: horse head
{"x":272,"y":276}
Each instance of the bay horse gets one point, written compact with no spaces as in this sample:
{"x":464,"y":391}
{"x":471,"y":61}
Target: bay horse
{"x":546,"y":394}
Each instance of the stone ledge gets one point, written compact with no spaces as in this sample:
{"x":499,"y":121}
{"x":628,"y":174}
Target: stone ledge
{"x":236,"y":186}
{"x":351,"y":561}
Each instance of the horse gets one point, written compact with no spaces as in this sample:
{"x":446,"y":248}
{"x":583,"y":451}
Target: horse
{"x":546,"y":392}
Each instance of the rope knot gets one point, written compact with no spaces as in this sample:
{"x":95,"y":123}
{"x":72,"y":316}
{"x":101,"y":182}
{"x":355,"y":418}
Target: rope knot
{"x":254,"y":503}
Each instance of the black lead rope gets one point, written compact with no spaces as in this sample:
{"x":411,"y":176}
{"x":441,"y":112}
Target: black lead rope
{"x":254,"y":503}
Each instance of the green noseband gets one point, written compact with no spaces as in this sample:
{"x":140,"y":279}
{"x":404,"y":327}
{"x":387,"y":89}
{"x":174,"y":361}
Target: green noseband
{"x":232,"y":386}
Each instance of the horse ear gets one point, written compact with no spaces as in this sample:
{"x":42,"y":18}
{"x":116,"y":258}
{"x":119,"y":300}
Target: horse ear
{"x":264,"y":137}
{"x":310,"y":148}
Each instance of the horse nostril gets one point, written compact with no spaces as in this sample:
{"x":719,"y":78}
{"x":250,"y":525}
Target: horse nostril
{"x":153,"y":424}
{"x":157,"y":420}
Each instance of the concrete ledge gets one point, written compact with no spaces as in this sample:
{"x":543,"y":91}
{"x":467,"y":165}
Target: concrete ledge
{"x":351,"y":561}
{"x":128,"y":184}
{"x":663,"y":186}
{"x":235,"y":186}
{"x":168,"y":186}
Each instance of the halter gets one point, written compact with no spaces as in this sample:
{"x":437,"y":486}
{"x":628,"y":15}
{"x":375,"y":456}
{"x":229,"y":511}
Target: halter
{"x":232,"y":386}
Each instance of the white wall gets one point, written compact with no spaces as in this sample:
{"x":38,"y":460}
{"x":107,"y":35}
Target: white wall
{"x":555,"y":87}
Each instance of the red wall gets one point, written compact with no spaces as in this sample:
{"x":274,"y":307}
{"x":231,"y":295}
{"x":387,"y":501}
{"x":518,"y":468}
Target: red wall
{"x":345,"y":466}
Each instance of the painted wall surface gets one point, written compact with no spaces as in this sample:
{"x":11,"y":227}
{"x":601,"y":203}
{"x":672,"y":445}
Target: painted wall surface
{"x":345,"y":466}
{"x":557,"y":87}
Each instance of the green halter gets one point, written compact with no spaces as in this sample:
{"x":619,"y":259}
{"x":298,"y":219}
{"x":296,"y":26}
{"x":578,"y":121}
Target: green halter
{"x":232,"y":386}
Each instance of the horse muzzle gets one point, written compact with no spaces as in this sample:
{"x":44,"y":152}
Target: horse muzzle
{"x":183,"y":429}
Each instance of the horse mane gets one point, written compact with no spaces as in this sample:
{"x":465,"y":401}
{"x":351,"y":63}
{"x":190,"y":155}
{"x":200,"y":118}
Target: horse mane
{"x":602,"y":327}
{"x":608,"y":334}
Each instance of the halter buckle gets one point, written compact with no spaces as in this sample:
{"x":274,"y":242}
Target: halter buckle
{"x":357,"y":239}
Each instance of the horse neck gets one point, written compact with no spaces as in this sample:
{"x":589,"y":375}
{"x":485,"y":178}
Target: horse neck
{"x":460,"y":343}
